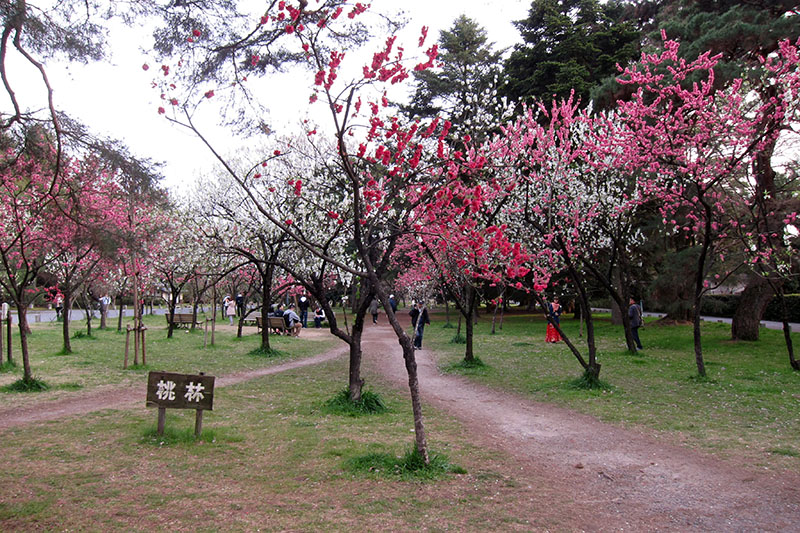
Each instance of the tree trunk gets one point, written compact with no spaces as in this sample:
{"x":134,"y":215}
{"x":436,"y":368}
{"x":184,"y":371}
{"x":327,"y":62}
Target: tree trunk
{"x":119,"y":313}
{"x":752,"y":303}
{"x":103,"y":314}
{"x":420,"y":440}
{"x":698,"y":347}
{"x":265,"y":298}
{"x":22,"y":313}
{"x":194,"y":316}
{"x":355,"y":382}
{"x":469,"y":355}
{"x":65,"y":324}
{"x":8,"y":344}
{"x":616,"y":313}
{"x":173,"y":303}
{"x":87,"y":304}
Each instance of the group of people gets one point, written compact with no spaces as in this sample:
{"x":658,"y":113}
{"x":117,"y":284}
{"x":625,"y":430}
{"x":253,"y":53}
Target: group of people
{"x":290,"y":317}
{"x":374,"y":307}
{"x":554,"y":320}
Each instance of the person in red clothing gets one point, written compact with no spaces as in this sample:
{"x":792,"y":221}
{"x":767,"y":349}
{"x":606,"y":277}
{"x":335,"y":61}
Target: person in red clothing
{"x":554,"y":317}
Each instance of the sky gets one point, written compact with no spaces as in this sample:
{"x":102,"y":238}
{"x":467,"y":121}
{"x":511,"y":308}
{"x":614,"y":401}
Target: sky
{"x":115,"y":99}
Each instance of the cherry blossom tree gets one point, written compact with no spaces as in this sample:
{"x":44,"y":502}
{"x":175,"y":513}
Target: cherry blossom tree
{"x":377,"y":158}
{"x":692,"y":143}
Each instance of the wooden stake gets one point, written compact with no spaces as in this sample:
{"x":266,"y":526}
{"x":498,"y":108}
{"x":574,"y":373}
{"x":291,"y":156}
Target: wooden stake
{"x":127,"y":346}
{"x":144,"y":345}
{"x":162,"y":419}
{"x":198,"y":422}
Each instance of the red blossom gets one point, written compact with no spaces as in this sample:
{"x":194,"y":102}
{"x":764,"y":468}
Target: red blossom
{"x":161,"y":110}
{"x":209,"y":94}
{"x":145,"y":67}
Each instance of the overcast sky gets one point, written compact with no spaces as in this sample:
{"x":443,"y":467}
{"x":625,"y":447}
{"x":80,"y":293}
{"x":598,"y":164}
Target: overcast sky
{"x":116,"y":99}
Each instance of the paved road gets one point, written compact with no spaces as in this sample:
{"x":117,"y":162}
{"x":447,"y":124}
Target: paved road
{"x":769,"y":324}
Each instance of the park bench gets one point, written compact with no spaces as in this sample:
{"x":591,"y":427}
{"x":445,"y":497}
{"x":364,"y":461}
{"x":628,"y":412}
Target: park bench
{"x":251,"y":319}
{"x":182,"y":320}
{"x":275,"y":323}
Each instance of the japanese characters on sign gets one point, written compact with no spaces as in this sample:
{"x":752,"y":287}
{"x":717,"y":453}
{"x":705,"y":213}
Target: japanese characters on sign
{"x":180,"y":391}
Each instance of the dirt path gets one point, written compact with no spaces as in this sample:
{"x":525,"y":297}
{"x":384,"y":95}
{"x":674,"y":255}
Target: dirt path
{"x":130,"y":397}
{"x":617,"y":479}
{"x":620,"y":480}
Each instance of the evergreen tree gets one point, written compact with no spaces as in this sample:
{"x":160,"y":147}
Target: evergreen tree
{"x":570,"y":45}
{"x":469,"y":66}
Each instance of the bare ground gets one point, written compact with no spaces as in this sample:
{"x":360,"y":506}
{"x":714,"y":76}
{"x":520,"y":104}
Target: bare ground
{"x":616,"y":479}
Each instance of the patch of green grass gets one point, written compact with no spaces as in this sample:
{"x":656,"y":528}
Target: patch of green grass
{"x":68,"y":386}
{"x":261,"y":352}
{"x":370,"y":403}
{"x":26,"y":385}
{"x":8,"y":366}
{"x":173,"y":436}
{"x":789,"y":452}
{"x":588,"y":381}
{"x":748,"y":385}
{"x":27,"y":509}
{"x":473,"y":366}
{"x":458,"y":338}
{"x":82,"y":335}
{"x":409,"y":467}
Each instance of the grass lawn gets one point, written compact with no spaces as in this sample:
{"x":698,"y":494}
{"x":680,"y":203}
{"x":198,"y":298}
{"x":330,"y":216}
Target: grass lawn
{"x":272,"y":457}
{"x":748,"y":407}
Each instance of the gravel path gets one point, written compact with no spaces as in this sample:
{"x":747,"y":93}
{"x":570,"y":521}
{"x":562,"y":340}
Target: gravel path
{"x":620,"y":480}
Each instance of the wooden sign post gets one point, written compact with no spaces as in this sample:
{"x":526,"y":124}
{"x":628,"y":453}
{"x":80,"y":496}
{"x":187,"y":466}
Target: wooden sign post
{"x":180,"y":391}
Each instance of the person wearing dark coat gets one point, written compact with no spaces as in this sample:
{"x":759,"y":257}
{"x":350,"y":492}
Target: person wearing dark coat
{"x":635,"y":316}
{"x":419,"y":317}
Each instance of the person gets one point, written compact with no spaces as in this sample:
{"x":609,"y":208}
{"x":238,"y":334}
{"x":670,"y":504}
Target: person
{"x":240,"y":304}
{"x":105,"y":302}
{"x":303,"y":306}
{"x":554,"y":318}
{"x":419,"y":317}
{"x":230,"y":309}
{"x":373,"y":309}
{"x":635,"y":317}
{"x":277,"y":311}
{"x":292,"y":321}
{"x":59,"y":305}
{"x":319,"y":317}
{"x":224,"y":308}
{"x":393,"y":303}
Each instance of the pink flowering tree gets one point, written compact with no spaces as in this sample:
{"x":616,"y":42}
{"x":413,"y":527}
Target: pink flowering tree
{"x":464,"y":241}
{"x":376,"y":167}
{"x":692,"y":143}
{"x":767,"y":228}
{"x":555,"y":206}
{"x":30,"y":219}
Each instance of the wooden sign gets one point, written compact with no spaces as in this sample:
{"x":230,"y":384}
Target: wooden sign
{"x":180,"y":391}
